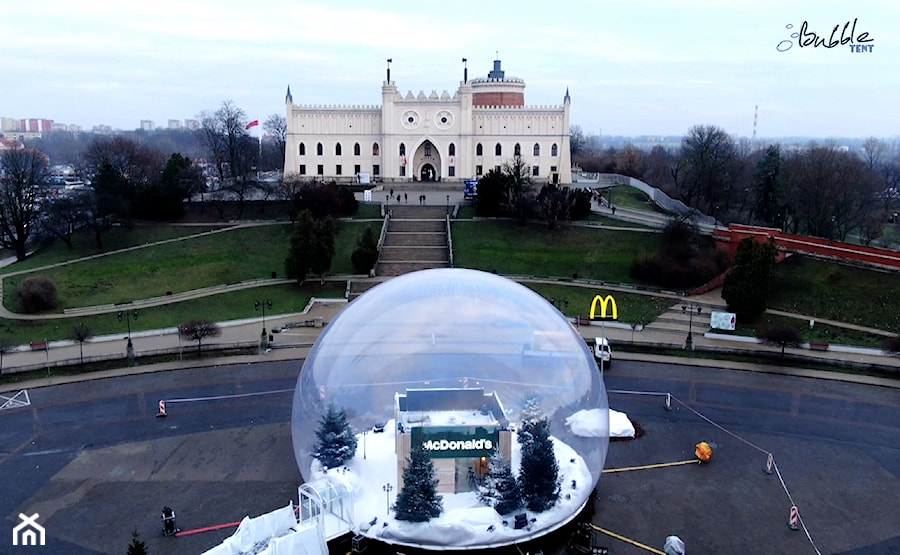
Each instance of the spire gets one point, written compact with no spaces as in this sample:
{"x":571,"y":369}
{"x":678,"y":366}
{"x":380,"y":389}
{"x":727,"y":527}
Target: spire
{"x":497,"y":73}
{"x":288,"y":98}
{"x":567,"y":99}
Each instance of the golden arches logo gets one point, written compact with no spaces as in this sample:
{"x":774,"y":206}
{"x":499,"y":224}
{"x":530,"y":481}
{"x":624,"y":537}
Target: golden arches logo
{"x":605,"y":302}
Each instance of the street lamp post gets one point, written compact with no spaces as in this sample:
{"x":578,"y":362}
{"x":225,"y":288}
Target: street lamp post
{"x":124,"y":315}
{"x":387,"y":492}
{"x":448,"y":204}
{"x":263,"y":340}
{"x":689,"y":308}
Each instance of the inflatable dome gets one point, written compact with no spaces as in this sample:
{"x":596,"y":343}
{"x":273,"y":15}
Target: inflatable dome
{"x":426,"y":333}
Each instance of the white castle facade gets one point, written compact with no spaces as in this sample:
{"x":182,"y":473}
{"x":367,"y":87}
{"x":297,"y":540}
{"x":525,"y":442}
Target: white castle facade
{"x":430,"y":138}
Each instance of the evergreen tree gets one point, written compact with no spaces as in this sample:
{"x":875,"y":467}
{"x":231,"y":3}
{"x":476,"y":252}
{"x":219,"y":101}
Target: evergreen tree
{"x":312,"y":247}
{"x":539,"y":471}
{"x":335,"y":440}
{"x":532,"y":411}
{"x":365,"y":255}
{"x":418,"y":500}
{"x":747,"y":284}
{"x":136,"y":547}
{"x":500,"y":489}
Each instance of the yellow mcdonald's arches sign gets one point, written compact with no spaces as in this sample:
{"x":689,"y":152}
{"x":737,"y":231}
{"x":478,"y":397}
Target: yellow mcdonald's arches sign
{"x":605,"y":302}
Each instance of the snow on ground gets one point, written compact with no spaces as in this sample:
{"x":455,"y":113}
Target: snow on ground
{"x":466,"y":522}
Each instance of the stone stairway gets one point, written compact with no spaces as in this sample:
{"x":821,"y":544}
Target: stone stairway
{"x":415,"y":239}
{"x":678,"y":322}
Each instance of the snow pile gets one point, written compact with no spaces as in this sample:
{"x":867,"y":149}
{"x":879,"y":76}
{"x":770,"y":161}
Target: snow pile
{"x":589,"y":423}
{"x":268,"y":534}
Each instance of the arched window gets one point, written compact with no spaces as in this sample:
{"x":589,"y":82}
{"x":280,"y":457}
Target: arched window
{"x":319,"y":149}
{"x":451,"y":150}
{"x":337,"y":149}
{"x":478,"y":150}
{"x":537,"y":150}
{"x":498,"y":150}
{"x":374,"y":149}
{"x":402,"y":149}
{"x":302,"y":150}
{"x":517,"y":150}
{"x":356,"y":149}
{"x":554,"y":151}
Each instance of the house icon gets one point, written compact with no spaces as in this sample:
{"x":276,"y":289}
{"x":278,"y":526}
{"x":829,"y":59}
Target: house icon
{"x":28,"y":532}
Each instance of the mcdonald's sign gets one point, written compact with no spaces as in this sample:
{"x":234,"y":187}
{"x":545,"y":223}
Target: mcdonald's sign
{"x":605,"y":302}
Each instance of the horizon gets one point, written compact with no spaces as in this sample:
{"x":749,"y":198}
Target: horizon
{"x":646,"y":68}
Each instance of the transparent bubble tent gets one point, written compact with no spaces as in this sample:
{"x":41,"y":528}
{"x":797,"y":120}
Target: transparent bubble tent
{"x":450,"y":329}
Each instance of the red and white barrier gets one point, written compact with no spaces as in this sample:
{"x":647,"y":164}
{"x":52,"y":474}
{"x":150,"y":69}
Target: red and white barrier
{"x":162,"y":409}
{"x":770,"y":463}
{"x":794,"y":519}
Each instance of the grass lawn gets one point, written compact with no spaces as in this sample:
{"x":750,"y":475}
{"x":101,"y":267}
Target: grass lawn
{"x":533,"y":250}
{"x":286,"y":299}
{"x":839,"y":292}
{"x":633,"y":308}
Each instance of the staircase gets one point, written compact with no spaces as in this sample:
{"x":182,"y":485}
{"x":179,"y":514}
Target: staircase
{"x":415,"y":239}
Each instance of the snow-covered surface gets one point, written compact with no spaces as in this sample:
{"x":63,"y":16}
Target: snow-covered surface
{"x":465,"y":522}
{"x":589,"y":423}
{"x":270,"y":534}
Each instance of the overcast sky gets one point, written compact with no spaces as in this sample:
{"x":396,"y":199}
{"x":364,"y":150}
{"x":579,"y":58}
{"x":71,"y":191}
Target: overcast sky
{"x":632,"y":68}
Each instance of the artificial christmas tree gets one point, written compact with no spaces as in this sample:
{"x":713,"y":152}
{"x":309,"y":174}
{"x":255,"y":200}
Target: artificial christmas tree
{"x":335,"y":440}
{"x":539,"y":471}
{"x":500,"y":489}
{"x":418,"y":500}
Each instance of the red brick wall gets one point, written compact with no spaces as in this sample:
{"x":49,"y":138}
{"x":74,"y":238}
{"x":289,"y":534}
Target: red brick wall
{"x":787,"y":242}
{"x":498,"y":99}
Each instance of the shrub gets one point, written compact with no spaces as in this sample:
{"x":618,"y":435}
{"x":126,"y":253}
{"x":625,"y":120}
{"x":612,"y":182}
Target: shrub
{"x":37,"y":294}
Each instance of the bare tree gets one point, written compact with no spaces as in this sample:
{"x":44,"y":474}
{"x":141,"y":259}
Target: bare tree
{"x":231,"y":149}
{"x":520,"y":196}
{"x":25,"y":172}
{"x":577,"y":141}
{"x":198,"y":330}
{"x":276,"y":128}
{"x":61,"y":218}
{"x":829,"y":192}
{"x":81,"y":332}
{"x":781,"y":336}
{"x":709,"y":167}
{"x":873,"y":152}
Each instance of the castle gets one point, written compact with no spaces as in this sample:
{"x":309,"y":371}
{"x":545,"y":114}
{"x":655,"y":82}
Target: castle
{"x":430,"y":138}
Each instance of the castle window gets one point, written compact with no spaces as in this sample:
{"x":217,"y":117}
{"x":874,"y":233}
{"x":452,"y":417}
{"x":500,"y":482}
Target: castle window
{"x":537,"y":150}
{"x":451,"y":150}
{"x":356,"y":169}
{"x":302,"y":169}
{"x":554,"y":151}
{"x":374,"y":149}
{"x":320,"y":170}
{"x":376,"y":170}
{"x":478,"y":150}
{"x":319,"y":149}
{"x":498,"y":150}
{"x":302,"y":149}
{"x":356,"y":149}
{"x":535,"y":171}
{"x":479,"y":170}
{"x":451,"y":171}
{"x":402,"y":149}
{"x":338,"y":170}
{"x":337,"y":149}
{"x":402,"y":171}
{"x":517,"y":150}
{"x":428,"y":150}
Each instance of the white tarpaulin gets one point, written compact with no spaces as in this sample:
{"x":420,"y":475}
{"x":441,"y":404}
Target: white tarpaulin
{"x":273,"y":533}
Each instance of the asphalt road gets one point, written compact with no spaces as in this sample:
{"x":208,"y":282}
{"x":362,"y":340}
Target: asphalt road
{"x":93,"y":460}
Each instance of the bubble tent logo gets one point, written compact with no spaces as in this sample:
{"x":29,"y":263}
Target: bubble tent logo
{"x":786,"y":44}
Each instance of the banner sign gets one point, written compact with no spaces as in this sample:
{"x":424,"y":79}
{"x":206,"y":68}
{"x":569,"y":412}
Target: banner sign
{"x":722,"y":320}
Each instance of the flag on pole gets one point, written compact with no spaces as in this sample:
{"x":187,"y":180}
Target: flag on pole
{"x":253,"y":123}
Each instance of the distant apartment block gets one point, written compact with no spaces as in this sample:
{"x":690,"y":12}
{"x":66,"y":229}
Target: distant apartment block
{"x":174,"y":124}
{"x":192,"y":124}
{"x":106,"y":129}
{"x":146,"y":125}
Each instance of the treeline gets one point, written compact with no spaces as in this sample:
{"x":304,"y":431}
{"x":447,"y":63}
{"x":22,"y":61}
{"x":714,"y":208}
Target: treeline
{"x":820,"y":189}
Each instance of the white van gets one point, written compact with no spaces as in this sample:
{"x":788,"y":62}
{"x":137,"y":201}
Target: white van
{"x":602,"y":352}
